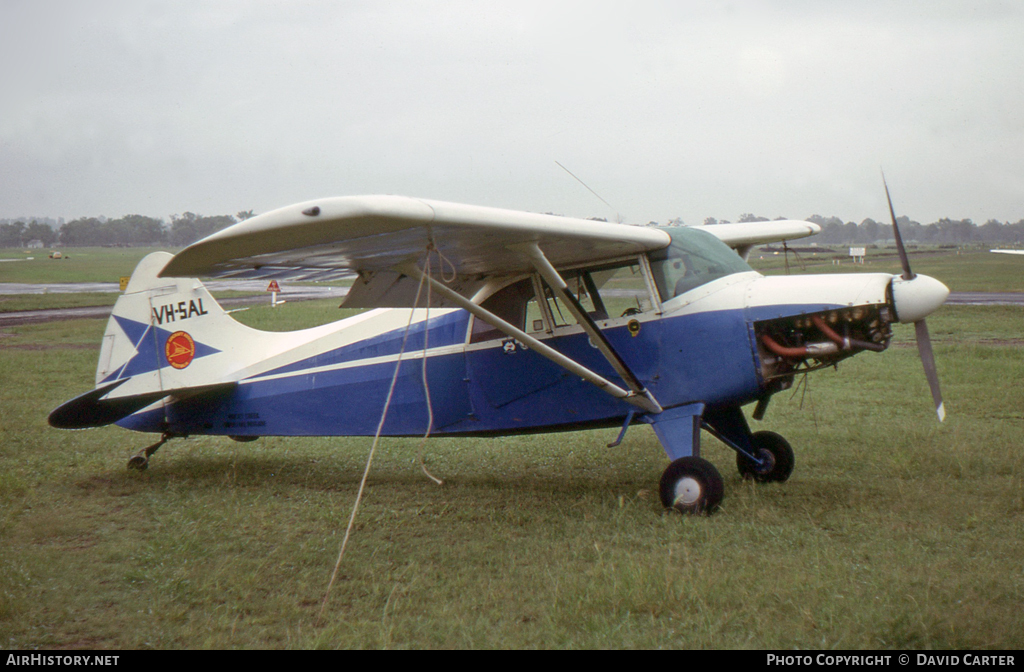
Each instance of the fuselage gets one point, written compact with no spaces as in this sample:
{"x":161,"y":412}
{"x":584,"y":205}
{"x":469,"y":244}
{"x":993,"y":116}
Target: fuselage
{"x":701,"y":346}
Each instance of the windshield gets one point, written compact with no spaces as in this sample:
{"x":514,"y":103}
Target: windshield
{"x":692,"y":259}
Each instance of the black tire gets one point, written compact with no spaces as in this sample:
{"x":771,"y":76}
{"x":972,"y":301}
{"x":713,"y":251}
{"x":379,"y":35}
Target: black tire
{"x":776,"y":451}
{"x":691,"y":485}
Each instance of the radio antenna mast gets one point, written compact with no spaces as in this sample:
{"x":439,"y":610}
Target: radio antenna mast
{"x":618,"y":216}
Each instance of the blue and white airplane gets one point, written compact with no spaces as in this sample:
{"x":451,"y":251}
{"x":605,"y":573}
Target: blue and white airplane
{"x":490,"y":322}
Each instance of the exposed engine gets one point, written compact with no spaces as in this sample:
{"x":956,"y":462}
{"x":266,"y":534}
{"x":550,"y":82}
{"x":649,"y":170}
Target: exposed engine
{"x":791,"y":345}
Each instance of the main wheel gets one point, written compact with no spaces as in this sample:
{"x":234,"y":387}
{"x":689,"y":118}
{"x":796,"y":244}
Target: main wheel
{"x":691,"y":485}
{"x":775,"y":452}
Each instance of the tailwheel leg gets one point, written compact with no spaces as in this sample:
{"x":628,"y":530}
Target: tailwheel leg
{"x":140,"y":460}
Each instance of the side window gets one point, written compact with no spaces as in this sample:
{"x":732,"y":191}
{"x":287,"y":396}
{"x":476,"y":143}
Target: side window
{"x":622,"y":290}
{"x":605,"y":292}
{"x":510,"y":304}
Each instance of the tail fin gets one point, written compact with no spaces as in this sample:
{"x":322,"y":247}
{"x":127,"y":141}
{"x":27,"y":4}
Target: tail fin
{"x":165,"y":335}
{"x":161,"y":323}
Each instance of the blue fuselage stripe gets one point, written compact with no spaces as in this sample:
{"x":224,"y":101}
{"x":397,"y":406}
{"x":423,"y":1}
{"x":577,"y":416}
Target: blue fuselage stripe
{"x":706,"y":356}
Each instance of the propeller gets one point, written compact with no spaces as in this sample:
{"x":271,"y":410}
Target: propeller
{"x":914,"y":297}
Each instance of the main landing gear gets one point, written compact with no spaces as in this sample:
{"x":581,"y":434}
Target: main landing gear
{"x":691,"y":484}
{"x":775,"y":455}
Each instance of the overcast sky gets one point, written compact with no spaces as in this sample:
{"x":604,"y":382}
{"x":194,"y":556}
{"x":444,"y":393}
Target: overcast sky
{"x":665,"y":109}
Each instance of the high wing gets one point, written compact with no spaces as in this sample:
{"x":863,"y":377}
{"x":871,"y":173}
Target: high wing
{"x":375,"y":236}
{"x":744,"y":236}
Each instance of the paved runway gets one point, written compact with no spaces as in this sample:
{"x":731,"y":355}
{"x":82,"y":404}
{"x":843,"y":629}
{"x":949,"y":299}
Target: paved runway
{"x":986,"y":298}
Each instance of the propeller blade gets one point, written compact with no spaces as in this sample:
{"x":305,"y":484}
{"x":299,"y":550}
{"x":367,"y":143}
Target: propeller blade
{"x":924,"y":348}
{"x":907,"y":273}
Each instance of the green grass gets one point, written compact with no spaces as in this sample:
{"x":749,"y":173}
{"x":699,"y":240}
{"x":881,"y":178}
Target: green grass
{"x":10,"y":303}
{"x":293,"y":314}
{"x":80,"y":264}
{"x":894,"y":531}
{"x":969,"y":270}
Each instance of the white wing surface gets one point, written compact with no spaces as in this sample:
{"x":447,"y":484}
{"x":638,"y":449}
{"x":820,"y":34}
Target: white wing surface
{"x":742,"y":237}
{"x":374,"y":236}
{"x":377,"y":233}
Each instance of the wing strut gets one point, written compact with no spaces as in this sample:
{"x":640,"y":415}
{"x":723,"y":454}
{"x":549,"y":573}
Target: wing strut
{"x":597,"y":337}
{"x":646,"y":403}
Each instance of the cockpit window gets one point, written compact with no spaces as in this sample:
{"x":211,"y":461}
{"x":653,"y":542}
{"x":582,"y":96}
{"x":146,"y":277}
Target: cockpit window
{"x":692,"y":259}
{"x":604,"y":292}
{"x":609,"y":291}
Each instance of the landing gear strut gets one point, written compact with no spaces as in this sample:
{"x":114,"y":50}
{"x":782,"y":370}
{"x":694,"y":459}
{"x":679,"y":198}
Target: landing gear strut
{"x":691,"y":484}
{"x":140,"y":460}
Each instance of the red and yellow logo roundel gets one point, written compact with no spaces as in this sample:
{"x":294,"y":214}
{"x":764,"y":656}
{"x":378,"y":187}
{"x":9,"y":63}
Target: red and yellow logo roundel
{"x":180,"y":349}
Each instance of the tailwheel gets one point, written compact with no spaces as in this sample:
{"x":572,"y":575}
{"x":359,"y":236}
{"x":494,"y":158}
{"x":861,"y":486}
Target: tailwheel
{"x":140,"y":460}
{"x":691,"y":485}
{"x":775,"y":454}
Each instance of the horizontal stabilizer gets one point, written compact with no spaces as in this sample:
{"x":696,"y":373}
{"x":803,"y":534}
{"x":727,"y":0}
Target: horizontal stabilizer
{"x":92,"y":410}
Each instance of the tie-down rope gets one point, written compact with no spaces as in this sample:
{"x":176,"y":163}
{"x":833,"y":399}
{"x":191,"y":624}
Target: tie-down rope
{"x":384,"y":415}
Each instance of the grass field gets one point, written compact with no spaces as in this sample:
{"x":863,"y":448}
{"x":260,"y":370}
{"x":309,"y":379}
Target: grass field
{"x":79,"y":264}
{"x":968,"y":270}
{"x":893,"y":532}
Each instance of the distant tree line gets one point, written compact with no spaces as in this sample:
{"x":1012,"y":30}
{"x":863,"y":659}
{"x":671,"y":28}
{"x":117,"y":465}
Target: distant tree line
{"x":184,"y":229}
{"x":127,"y":231}
{"x":19,"y":234}
{"x":944,"y":231}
